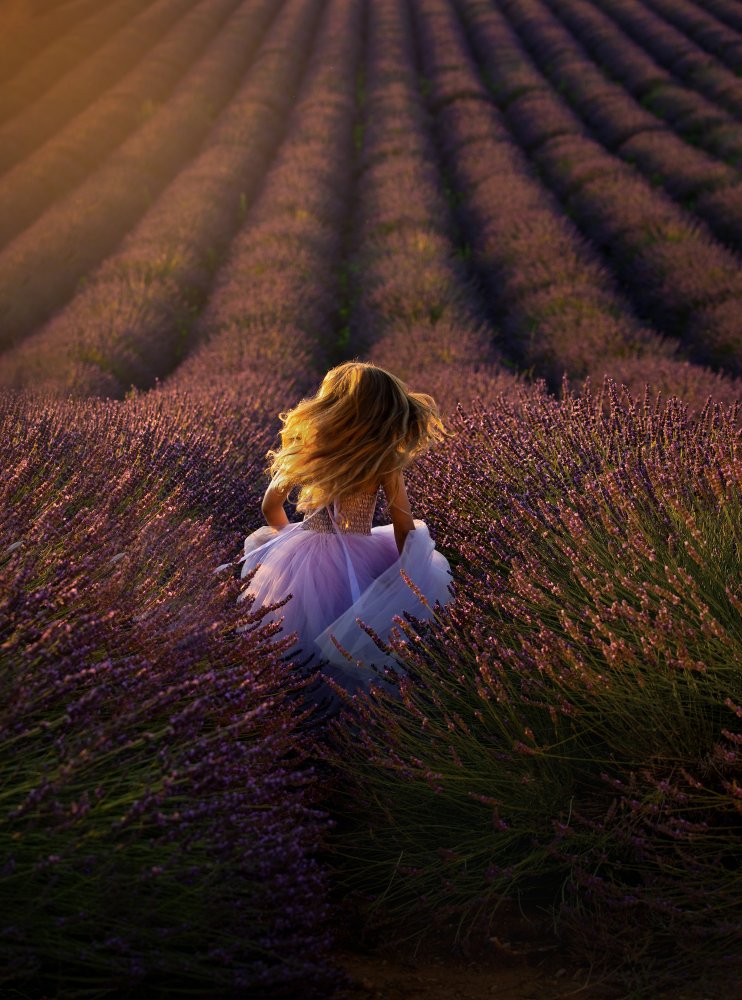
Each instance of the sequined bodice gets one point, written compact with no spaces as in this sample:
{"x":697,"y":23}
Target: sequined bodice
{"x":355,"y":513}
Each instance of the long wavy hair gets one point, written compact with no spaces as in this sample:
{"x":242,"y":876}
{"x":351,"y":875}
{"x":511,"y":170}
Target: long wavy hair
{"x":362,"y":423}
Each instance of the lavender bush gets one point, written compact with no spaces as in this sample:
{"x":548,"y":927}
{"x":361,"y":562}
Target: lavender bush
{"x":160,"y":820}
{"x":569,"y":729}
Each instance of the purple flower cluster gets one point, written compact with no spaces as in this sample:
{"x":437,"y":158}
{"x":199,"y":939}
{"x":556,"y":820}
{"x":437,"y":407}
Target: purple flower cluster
{"x":161,"y":816}
{"x":570,"y":724}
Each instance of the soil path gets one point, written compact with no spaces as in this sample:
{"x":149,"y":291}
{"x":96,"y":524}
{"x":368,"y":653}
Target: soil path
{"x":428,"y":978}
{"x":522,"y":964}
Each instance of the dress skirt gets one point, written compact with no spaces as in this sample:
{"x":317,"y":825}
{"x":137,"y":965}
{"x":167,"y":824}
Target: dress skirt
{"x":336,"y":577}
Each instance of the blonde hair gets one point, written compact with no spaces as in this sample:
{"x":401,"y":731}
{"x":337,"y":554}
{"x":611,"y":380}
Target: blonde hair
{"x":362,"y":424}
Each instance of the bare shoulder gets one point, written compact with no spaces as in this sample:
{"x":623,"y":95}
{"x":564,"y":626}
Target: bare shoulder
{"x":391,"y":482}
{"x":392,"y":478}
{"x":396,"y":493}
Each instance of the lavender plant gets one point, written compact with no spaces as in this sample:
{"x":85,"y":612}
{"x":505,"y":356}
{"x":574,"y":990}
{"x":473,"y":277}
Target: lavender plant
{"x":160,"y":820}
{"x":569,"y":729}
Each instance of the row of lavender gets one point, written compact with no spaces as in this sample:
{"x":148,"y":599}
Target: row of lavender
{"x":41,"y":268}
{"x":276,"y":306}
{"x":61,"y":38}
{"x":161,"y":817}
{"x":640,"y":121}
{"x":671,"y":86}
{"x":220,"y":706}
{"x":135,"y":318}
{"x":676,"y":274}
{"x":672,"y":48}
{"x":706,"y":30}
{"x":411,"y":305}
{"x":46,"y":173}
{"x":568,"y":732}
{"x":32,"y":109}
{"x":726,"y":11}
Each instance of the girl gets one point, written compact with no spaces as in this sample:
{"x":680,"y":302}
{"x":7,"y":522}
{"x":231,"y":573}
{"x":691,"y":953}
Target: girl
{"x":355,"y":436}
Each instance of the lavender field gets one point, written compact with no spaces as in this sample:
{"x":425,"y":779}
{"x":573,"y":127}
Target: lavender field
{"x":531,"y":209}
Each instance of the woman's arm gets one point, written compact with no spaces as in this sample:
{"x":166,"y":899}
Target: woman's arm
{"x":399,"y":507}
{"x":272,"y":506}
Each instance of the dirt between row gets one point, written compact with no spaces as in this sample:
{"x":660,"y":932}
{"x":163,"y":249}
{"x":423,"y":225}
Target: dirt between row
{"x":521,"y":961}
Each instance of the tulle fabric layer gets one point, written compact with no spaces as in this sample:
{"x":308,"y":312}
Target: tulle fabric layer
{"x":312,"y":567}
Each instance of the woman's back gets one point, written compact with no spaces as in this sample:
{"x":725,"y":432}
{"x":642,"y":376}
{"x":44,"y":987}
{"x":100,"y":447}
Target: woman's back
{"x":354,"y":513}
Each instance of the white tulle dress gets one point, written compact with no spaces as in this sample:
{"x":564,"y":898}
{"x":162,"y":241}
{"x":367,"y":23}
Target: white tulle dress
{"x":338,"y":568}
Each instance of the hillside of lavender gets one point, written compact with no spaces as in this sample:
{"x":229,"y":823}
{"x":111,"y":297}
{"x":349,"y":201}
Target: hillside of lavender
{"x":531,"y":209}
